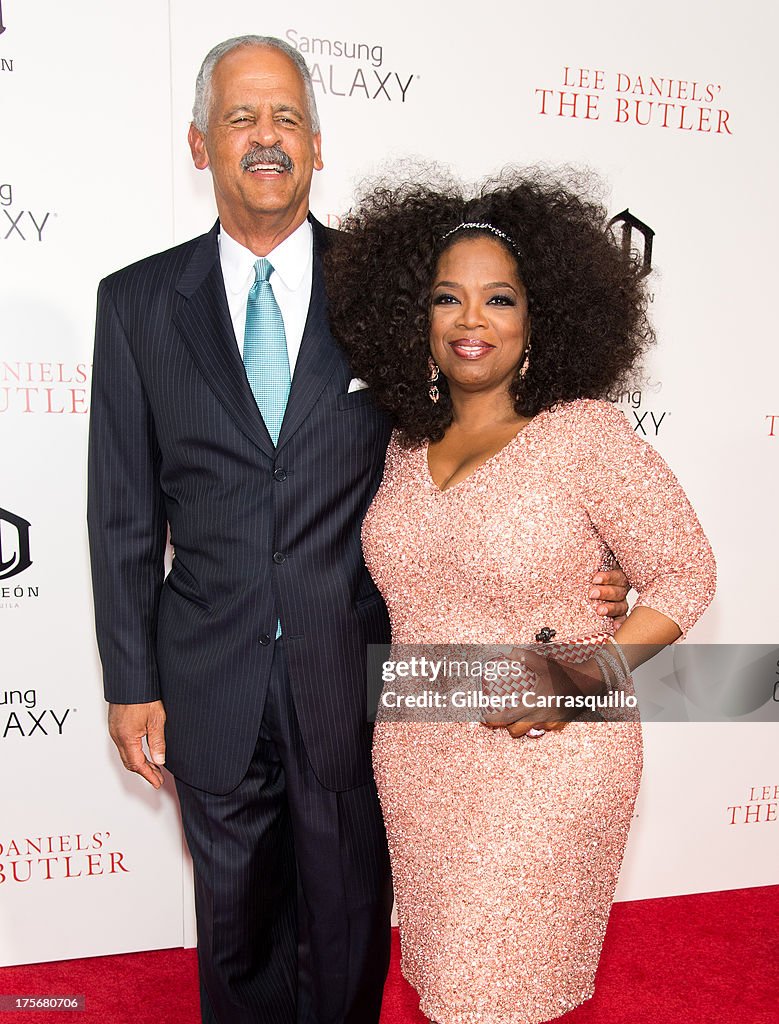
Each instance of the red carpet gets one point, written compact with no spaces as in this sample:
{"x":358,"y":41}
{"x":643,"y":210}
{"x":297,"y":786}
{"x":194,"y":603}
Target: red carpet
{"x":705,"y":959}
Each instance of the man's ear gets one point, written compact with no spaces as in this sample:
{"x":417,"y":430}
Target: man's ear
{"x":197,"y":146}
{"x":318,"y":165}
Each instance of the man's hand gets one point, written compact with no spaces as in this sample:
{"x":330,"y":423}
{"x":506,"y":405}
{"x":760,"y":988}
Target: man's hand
{"x":608,"y":592}
{"x":128,"y":724}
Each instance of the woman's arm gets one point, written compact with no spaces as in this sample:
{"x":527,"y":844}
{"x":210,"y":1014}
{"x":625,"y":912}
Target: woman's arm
{"x":639,"y":509}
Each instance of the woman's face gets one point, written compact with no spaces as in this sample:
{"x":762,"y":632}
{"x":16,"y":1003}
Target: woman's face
{"x":479,"y":324}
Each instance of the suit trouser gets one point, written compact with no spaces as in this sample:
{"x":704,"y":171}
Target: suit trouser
{"x":292,"y":886}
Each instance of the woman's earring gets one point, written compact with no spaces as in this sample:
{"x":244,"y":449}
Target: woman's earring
{"x":433,"y":374}
{"x":525,"y":362}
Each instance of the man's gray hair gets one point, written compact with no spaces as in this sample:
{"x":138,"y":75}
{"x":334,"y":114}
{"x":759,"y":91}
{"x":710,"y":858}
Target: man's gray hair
{"x":202,"y":105}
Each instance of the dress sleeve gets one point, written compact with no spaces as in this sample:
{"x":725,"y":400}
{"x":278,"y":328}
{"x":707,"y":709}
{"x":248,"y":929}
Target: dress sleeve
{"x":395,"y":455}
{"x":639,"y":509}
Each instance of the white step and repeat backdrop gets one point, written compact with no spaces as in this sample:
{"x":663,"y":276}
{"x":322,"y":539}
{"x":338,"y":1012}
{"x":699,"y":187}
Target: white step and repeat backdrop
{"x":671,"y":106}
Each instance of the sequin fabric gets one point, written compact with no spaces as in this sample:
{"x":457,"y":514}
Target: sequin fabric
{"x":505,"y":852}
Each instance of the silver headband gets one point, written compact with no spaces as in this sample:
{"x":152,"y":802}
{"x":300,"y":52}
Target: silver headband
{"x":483,"y":226}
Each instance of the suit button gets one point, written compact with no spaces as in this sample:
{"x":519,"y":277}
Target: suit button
{"x":264,"y":639}
{"x":279,"y":557}
{"x":280,"y":474}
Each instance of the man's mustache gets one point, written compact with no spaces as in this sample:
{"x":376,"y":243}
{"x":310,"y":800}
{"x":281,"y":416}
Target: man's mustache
{"x":266,"y":155}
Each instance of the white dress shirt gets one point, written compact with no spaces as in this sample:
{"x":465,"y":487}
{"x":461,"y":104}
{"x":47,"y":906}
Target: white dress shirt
{"x":293,"y":268}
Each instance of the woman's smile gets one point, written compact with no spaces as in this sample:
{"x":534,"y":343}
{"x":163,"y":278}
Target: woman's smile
{"x":470,"y":348}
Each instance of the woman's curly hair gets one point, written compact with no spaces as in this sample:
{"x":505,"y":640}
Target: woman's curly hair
{"x":586,"y":298}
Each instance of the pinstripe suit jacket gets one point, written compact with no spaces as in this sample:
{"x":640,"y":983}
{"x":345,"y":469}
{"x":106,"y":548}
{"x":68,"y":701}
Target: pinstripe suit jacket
{"x":259,"y":532}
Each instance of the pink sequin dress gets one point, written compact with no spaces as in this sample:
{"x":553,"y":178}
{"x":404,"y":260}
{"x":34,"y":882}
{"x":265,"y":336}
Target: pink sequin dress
{"x":506,"y":852}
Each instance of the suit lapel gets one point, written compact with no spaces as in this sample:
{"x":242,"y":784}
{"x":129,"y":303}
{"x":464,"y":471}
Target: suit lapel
{"x":319,"y":355}
{"x":203,"y":318}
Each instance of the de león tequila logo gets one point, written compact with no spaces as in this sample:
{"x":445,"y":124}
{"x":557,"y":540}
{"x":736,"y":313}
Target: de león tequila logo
{"x":14,"y":544}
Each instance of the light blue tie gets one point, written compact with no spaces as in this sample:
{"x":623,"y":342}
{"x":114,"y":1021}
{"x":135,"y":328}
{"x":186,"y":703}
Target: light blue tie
{"x":265,"y":354}
{"x":265,"y":350}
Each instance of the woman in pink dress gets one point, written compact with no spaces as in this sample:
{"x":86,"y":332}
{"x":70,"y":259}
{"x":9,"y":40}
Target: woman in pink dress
{"x":494,"y":330}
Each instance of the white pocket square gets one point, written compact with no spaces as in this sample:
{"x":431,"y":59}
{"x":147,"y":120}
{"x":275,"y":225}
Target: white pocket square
{"x":355,"y":384}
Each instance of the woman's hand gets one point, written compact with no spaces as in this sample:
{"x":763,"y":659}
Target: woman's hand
{"x":644,"y":634}
{"x":541,"y":678}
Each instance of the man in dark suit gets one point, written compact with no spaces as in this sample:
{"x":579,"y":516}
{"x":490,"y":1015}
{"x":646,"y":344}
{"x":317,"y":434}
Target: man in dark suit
{"x":223,"y":410}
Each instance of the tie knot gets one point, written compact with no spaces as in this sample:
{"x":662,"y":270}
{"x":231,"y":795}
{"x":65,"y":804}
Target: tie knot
{"x":263,"y":269}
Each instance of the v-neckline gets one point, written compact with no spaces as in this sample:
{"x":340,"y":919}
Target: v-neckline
{"x":477,"y":469}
